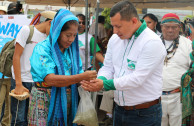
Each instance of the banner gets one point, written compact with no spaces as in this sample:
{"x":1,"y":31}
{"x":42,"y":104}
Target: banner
{"x":10,"y":25}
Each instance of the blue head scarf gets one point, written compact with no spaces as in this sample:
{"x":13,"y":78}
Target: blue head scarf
{"x":58,"y":103}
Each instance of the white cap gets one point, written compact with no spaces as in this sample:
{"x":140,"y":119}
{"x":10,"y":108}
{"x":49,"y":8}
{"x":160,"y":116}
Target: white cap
{"x":48,"y":14}
{"x":3,"y":8}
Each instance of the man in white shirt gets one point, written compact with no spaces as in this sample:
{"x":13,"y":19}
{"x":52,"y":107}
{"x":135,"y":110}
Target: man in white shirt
{"x":21,"y":76}
{"x":177,"y":62}
{"x":132,"y":68}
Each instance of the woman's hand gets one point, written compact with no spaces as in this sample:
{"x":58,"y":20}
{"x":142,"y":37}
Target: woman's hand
{"x":89,"y":75}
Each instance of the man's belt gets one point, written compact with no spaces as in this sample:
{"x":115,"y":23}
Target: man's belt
{"x":143,"y":105}
{"x":171,"y":92}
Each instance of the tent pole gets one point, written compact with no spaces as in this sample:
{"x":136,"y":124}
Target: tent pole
{"x":94,"y":94}
{"x":96,"y":34}
{"x":69,"y":3}
{"x":86,"y":35}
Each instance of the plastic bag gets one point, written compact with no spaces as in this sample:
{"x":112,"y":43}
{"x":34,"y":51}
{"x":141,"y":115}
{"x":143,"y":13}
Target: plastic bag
{"x":86,"y":114}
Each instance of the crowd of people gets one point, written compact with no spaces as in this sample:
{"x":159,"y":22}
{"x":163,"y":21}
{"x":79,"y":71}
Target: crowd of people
{"x":145,"y":72}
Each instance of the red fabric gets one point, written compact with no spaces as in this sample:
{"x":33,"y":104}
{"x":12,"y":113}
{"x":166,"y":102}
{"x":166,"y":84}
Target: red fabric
{"x":170,"y":16}
{"x":36,"y":19}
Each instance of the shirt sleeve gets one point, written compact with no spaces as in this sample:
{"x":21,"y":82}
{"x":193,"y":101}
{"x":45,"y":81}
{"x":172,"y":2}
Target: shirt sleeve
{"x":152,"y":56}
{"x":92,"y":41}
{"x":23,"y":36}
{"x":42,"y":63}
{"x":108,"y":84}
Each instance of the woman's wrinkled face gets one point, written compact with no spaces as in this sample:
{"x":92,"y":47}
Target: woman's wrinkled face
{"x":150,"y":23}
{"x":67,"y":37}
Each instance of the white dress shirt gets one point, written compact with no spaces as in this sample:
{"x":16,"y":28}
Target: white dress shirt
{"x":136,"y":67}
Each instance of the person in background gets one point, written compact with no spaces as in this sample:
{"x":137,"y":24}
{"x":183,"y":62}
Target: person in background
{"x":91,"y":18}
{"x":3,"y":10}
{"x":91,"y":41}
{"x":107,"y":106}
{"x":132,"y":68}
{"x":56,"y":68}
{"x":176,"y":63}
{"x":21,"y":77}
{"x":101,"y":35}
{"x":101,"y":30}
{"x":152,"y":23}
{"x":5,"y":85}
{"x":108,"y":96}
{"x":14,"y":8}
{"x":187,"y":87}
{"x":182,"y":30}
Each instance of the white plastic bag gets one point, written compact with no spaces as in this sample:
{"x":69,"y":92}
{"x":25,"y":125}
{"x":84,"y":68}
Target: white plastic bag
{"x":86,"y":114}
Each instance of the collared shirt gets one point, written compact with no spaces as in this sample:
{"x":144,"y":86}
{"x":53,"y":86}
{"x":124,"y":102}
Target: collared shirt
{"x":177,"y":65}
{"x":134,"y":67}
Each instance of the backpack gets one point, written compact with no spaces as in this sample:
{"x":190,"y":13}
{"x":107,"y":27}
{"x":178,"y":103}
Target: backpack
{"x":6,"y":55}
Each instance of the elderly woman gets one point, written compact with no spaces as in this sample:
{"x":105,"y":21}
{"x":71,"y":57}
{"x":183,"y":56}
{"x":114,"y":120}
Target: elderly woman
{"x":56,"y":63}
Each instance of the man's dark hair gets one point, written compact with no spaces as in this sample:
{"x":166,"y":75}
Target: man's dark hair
{"x":126,"y":9}
{"x":101,"y":19}
{"x":81,"y":16}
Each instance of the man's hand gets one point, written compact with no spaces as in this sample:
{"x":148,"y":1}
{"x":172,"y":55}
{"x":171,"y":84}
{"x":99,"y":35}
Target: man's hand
{"x":93,"y":85}
{"x":20,"y":89}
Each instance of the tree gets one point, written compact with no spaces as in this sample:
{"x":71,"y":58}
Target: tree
{"x":106,"y":14}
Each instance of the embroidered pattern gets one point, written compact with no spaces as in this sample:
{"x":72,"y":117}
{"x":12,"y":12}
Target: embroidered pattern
{"x":43,"y":60}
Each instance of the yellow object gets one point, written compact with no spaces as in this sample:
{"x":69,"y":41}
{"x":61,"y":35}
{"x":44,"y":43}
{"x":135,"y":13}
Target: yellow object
{"x":24,"y":96}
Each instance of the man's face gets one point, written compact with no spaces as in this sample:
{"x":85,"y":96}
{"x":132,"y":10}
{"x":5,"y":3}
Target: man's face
{"x":170,"y":30}
{"x":124,"y":29}
{"x":81,"y":27}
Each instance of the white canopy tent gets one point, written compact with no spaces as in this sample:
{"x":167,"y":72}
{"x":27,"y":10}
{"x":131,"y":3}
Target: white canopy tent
{"x":110,"y":3}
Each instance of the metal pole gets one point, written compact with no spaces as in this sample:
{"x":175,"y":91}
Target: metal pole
{"x":94,"y":94}
{"x":86,"y":36}
{"x":89,"y":13}
{"x":69,"y":3}
{"x":96,"y":34}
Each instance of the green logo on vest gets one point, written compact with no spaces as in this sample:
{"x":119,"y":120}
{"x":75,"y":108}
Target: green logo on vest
{"x":131,"y":64}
